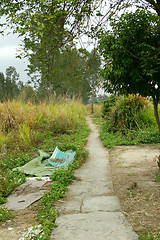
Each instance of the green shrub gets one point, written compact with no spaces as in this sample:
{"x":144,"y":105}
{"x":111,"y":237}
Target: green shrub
{"x":125,"y":114}
{"x":147,"y":118}
{"x":107,"y":105}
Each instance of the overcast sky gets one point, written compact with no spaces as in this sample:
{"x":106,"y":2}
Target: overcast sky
{"x":8,"y":45}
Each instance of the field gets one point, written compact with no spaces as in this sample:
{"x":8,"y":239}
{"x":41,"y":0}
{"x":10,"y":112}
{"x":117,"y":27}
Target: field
{"x":26,"y":128}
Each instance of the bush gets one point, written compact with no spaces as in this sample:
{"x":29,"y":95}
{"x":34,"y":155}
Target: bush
{"x":107,"y":105}
{"x":130,"y":121}
{"x":126,"y":113}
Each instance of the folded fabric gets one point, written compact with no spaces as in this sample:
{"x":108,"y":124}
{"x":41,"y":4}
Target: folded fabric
{"x":39,"y":166}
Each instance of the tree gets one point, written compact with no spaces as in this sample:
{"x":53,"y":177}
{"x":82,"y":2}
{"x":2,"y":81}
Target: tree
{"x":118,"y":5}
{"x":10,"y":85}
{"x":93,"y":70}
{"x":68,"y":76}
{"x":11,"y":80}
{"x":47,"y":25}
{"x":75,"y":74}
{"x":28,"y":94}
{"x":2,"y":86}
{"x":131,"y":51}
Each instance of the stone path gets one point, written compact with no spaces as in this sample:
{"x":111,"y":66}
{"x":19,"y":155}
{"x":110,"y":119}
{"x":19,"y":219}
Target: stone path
{"x":90,"y":210}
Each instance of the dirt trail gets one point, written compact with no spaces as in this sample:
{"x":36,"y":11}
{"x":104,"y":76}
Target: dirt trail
{"x":90,"y":210}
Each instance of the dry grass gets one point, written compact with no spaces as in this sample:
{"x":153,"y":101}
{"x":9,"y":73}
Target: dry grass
{"x":21,"y":124}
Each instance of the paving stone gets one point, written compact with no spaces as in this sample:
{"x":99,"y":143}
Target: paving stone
{"x":93,"y":226}
{"x":101,"y":203}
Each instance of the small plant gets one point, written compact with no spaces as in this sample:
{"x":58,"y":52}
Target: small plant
{"x":9,"y":180}
{"x":149,"y":235}
{"x":25,"y":136}
{"x":157,"y":160}
{"x":5,"y":214}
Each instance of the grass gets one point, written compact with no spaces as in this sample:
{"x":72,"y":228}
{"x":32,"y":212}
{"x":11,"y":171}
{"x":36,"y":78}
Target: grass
{"x":62,"y":177}
{"x":22,"y":125}
{"x":5,"y":214}
{"x":25,"y":128}
{"x":149,"y":235}
{"x":134,"y":137}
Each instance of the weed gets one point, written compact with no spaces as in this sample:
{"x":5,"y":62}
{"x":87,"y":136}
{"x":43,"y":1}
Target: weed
{"x":157,"y":179}
{"x":5,"y":214}
{"x":149,"y":235}
{"x":62,"y":177}
{"x":24,"y":133}
{"x":45,"y":127}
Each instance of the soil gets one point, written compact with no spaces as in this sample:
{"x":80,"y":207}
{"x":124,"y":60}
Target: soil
{"x":133,"y":175}
{"x":14,"y":228}
{"x":58,"y":160}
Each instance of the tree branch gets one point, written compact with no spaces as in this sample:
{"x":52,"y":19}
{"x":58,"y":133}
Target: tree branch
{"x":140,"y":57}
{"x":156,"y":5}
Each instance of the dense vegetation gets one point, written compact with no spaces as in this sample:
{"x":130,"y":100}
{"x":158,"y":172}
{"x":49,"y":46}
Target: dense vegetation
{"x":131,"y":53}
{"x":128,"y":120}
{"x":25,"y":128}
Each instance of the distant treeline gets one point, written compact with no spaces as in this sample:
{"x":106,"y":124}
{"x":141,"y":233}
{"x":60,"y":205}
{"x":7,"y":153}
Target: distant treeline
{"x":75,"y":74}
{"x":10,"y":85}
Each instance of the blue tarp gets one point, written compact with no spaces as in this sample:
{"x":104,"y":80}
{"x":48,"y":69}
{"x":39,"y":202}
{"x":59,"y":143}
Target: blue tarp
{"x":57,"y":154}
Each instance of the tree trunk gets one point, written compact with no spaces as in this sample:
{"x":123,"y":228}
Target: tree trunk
{"x":92,"y":110}
{"x":155,"y":104}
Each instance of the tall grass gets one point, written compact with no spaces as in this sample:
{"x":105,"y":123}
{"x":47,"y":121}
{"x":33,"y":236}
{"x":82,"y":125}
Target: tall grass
{"x":25,"y":128}
{"x":23,"y":124}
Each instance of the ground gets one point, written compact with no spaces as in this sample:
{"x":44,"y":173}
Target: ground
{"x":133,"y":175}
{"x":13,"y":229}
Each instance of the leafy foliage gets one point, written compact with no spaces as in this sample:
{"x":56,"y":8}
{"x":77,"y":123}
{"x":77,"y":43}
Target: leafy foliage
{"x":107,"y":105}
{"x":149,"y":5}
{"x":129,"y":121}
{"x":131,"y":53}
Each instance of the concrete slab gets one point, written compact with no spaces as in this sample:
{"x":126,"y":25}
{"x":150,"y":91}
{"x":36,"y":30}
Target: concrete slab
{"x":25,"y":194}
{"x":70,"y":207}
{"x":93,"y":226}
{"x":84,"y":188}
{"x":22,"y":202}
{"x":101,"y":203}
